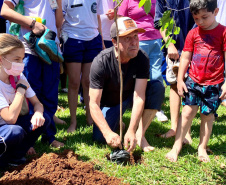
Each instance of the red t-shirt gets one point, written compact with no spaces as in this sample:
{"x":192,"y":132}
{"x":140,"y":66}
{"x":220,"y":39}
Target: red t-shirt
{"x":208,"y":46}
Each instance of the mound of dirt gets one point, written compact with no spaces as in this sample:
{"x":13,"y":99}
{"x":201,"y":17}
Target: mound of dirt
{"x":64,"y":169}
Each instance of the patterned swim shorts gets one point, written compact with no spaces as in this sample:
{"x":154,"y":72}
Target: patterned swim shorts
{"x":205,"y":96}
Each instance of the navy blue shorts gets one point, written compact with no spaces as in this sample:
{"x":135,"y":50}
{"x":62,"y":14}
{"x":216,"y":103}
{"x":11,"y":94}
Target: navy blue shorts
{"x":80,"y":51}
{"x":205,"y":96}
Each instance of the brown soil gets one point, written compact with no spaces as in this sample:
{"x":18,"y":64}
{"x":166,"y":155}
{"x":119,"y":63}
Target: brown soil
{"x":64,"y":169}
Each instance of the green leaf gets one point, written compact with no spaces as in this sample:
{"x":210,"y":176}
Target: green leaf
{"x":147,"y":6}
{"x":165,"y":18}
{"x":173,"y":41}
{"x":163,"y":46}
{"x":176,"y":30}
{"x":141,"y":3}
{"x":168,"y":42}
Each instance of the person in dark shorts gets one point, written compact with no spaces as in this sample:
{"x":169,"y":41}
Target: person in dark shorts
{"x":204,"y":51}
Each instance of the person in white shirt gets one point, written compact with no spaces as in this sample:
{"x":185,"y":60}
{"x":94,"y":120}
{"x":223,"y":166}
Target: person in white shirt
{"x":44,"y":78}
{"x":81,"y":33}
{"x":107,"y":19}
{"x":17,"y":132}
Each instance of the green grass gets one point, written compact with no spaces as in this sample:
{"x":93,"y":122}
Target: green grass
{"x":155,"y":169}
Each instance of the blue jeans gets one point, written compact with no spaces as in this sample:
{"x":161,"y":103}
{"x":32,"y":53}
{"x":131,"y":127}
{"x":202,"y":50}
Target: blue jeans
{"x":15,"y":140}
{"x":154,"y":99}
{"x":153,"y":50}
{"x":44,"y":80}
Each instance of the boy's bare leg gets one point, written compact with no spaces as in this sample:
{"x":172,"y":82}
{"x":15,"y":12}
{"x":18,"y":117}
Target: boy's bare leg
{"x":185,"y":121}
{"x":74,"y":71}
{"x":147,"y":116}
{"x":175,"y":103}
{"x":205,"y":132}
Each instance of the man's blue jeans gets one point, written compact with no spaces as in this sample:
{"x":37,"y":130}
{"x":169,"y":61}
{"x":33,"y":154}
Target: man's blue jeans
{"x":154,"y":99}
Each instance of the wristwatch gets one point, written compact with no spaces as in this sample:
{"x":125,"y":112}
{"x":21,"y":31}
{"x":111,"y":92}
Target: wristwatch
{"x":21,"y":85}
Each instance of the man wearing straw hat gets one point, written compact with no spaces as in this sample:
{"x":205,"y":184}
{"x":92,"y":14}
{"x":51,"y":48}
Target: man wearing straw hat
{"x":144,"y":97}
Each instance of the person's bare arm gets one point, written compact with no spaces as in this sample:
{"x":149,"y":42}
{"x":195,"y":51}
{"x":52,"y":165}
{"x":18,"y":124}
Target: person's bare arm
{"x":172,"y":50}
{"x":185,"y":60}
{"x":111,"y":137}
{"x":137,"y":110}
{"x":10,"y":114}
{"x":59,"y":15}
{"x":8,"y":13}
{"x":223,"y":87}
{"x":100,"y":30}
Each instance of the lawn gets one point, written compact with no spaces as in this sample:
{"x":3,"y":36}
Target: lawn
{"x":154,"y":169}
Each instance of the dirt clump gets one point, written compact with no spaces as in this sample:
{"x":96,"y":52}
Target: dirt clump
{"x":64,"y":169}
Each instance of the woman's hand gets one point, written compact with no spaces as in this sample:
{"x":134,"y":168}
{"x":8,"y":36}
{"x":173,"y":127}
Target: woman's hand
{"x":37,"y":120}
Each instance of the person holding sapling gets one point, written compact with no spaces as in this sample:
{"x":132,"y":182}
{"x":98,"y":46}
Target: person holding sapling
{"x":144,"y":97}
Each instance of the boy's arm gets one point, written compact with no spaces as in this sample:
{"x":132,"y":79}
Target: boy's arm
{"x":171,"y":50}
{"x":100,"y":30}
{"x":184,"y":63}
{"x":8,"y":13}
{"x":223,"y":88}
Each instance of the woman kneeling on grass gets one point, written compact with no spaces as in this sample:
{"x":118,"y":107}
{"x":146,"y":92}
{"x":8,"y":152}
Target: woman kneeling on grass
{"x":17,"y":133}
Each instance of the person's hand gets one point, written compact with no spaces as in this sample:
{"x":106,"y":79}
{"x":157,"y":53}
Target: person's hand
{"x":24,"y":82}
{"x":113,"y":140}
{"x":110,"y":14}
{"x":103,"y":46}
{"x":181,"y":88}
{"x":38,"y":29}
{"x":37,"y":120}
{"x":172,"y":52}
{"x":130,"y":141}
{"x":223,"y":94}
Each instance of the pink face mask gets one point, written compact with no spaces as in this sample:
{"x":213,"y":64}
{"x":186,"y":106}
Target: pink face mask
{"x":16,"y":68}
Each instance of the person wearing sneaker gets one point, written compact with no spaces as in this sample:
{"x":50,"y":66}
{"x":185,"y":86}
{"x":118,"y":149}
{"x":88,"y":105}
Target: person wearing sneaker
{"x":184,"y":20}
{"x":82,"y":41}
{"x":18,"y":129}
{"x":43,"y":78}
{"x":150,"y":41}
{"x":144,"y":97}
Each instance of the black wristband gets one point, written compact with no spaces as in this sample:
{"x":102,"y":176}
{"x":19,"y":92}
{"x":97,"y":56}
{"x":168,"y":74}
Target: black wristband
{"x":21,"y":85}
{"x":32,"y":23}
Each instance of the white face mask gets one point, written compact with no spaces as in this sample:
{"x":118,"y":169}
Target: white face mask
{"x":16,"y":68}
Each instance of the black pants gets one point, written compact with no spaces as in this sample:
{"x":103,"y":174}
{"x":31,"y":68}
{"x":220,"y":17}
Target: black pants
{"x":2,"y":25}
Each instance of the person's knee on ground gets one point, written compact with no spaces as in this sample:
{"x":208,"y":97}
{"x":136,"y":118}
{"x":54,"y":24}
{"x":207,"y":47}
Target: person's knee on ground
{"x":15,"y":135}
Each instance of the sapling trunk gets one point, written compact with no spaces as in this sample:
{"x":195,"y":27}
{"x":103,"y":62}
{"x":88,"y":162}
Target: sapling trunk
{"x":120,"y":70}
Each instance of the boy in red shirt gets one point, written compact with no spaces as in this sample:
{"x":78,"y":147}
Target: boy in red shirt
{"x":204,"y":51}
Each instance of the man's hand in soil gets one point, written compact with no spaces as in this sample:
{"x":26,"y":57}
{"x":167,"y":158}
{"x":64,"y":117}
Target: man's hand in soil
{"x":113,"y":140}
{"x":130,"y":141}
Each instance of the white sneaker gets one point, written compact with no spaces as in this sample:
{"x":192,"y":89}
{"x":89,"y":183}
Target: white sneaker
{"x":171,"y":77}
{"x":161,"y":116}
{"x":64,"y":90}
